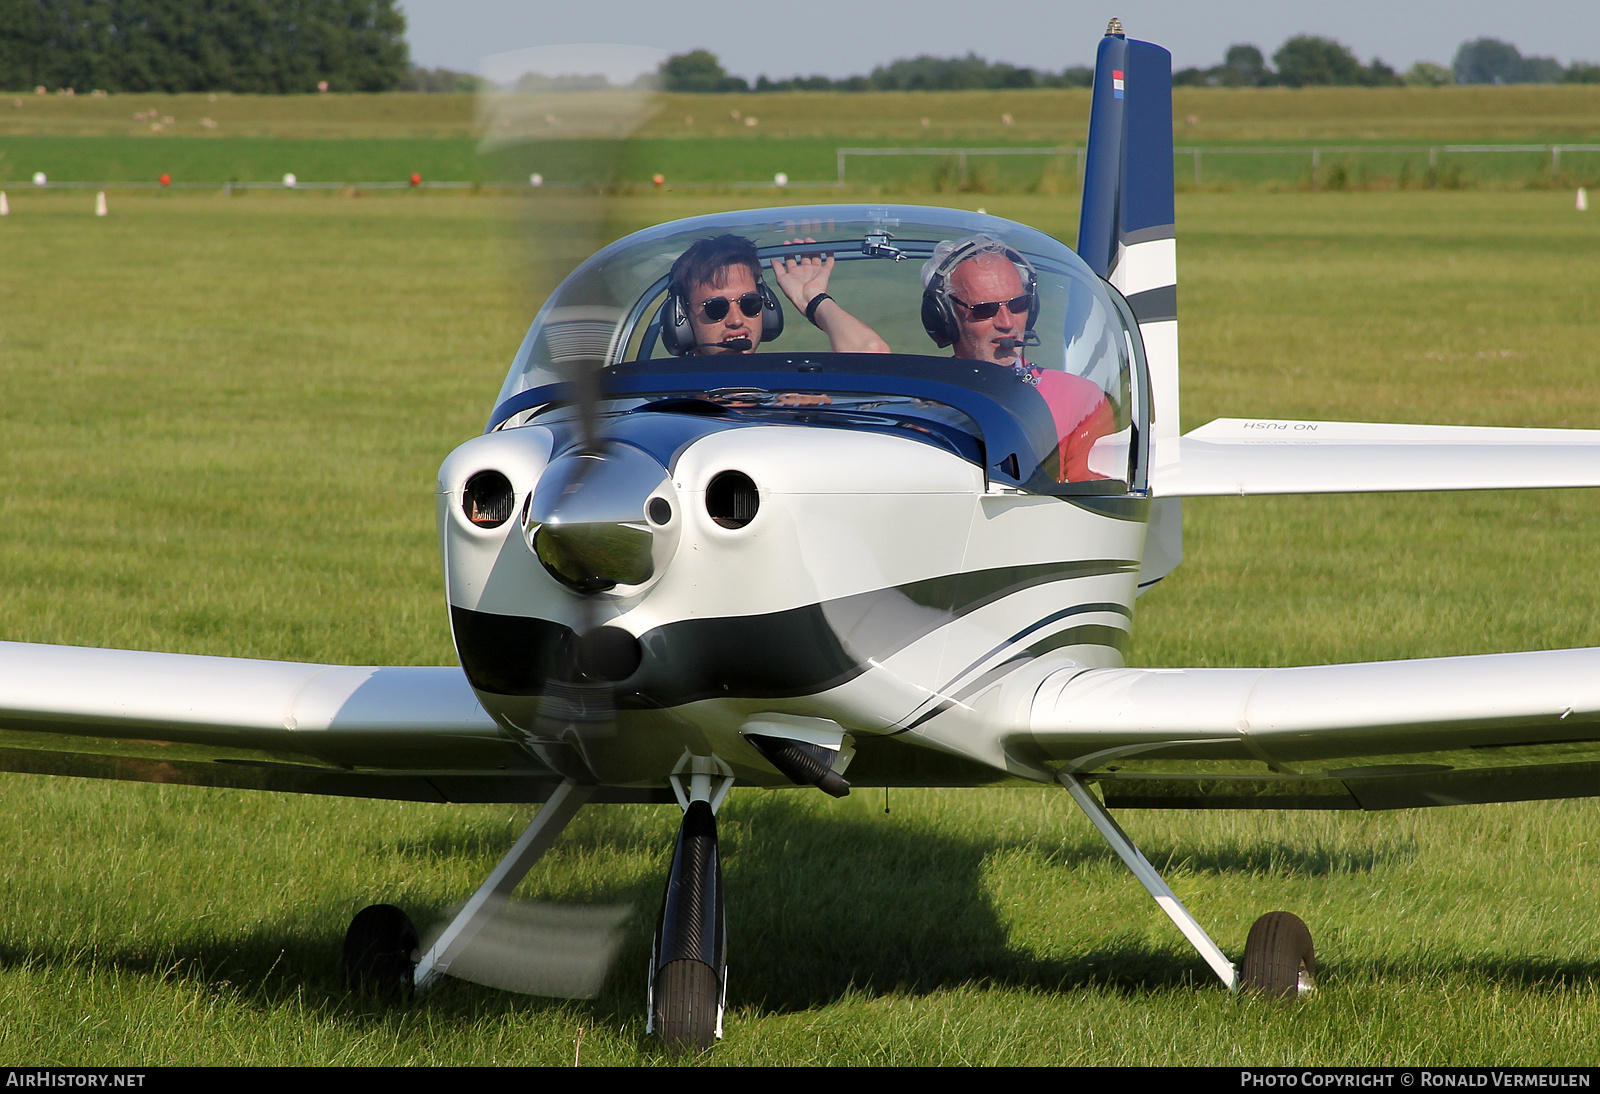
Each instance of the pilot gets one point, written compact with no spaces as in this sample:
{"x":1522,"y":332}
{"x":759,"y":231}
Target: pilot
{"x":982,"y":297}
{"x":718,"y":303}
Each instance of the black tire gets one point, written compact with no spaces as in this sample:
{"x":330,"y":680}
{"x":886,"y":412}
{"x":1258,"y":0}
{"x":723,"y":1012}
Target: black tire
{"x":380,"y":953}
{"x":1279,"y":960}
{"x":685,"y":1003}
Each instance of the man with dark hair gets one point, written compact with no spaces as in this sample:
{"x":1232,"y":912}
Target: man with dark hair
{"x":718,"y":303}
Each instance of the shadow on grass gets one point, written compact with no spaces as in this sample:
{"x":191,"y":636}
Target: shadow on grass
{"x":1263,"y":857}
{"x":820,"y":906}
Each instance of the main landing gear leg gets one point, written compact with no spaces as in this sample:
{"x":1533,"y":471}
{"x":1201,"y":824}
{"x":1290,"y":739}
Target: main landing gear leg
{"x":535,"y":840}
{"x":688,"y":963}
{"x":1141,"y":868}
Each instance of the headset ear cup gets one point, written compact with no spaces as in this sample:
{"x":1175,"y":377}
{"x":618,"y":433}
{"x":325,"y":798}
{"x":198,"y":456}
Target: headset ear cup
{"x":936,"y":320}
{"x":771,"y":314}
{"x":677,"y":335}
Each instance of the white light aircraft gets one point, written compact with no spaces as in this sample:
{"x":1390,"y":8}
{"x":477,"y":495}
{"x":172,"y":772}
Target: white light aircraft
{"x":672,"y":572}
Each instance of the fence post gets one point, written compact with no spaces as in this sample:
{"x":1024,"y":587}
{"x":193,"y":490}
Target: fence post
{"x":961,"y":168}
{"x":1316,"y":161}
{"x":1555,"y":158}
{"x":839,"y":154}
{"x":1197,"y":166}
{"x":1433,"y":156}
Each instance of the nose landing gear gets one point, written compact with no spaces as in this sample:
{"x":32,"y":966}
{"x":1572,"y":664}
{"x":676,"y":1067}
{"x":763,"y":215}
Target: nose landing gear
{"x":688,"y":963}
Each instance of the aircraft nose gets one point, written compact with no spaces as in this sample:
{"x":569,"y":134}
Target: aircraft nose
{"x":603,"y":518}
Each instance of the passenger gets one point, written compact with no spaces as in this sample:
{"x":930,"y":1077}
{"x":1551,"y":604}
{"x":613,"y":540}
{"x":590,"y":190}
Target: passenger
{"x":981,"y":297}
{"x":718,"y":303}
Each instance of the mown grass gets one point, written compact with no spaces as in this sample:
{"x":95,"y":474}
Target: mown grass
{"x":701,"y":139}
{"x":736,"y":162}
{"x":223,"y":419}
{"x":236,"y":159}
{"x":1559,"y":112}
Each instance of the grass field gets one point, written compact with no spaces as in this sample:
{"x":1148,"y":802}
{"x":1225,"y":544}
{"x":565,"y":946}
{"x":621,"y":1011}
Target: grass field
{"x":223,"y":419}
{"x":1551,"y":112}
{"x":736,"y":162}
{"x":701,"y":139}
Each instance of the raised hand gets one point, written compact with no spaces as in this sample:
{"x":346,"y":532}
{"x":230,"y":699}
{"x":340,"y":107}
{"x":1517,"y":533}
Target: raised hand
{"x":802,"y":276}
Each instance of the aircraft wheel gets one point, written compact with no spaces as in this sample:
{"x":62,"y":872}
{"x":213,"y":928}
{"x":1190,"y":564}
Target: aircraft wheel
{"x":685,"y":1004}
{"x":1279,"y":960}
{"x":380,"y":953}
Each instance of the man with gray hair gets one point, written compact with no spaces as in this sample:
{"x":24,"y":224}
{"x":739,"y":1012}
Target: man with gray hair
{"x":981,"y":296}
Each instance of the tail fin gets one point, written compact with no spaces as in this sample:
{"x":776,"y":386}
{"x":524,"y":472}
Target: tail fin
{"x":1126,"y":235}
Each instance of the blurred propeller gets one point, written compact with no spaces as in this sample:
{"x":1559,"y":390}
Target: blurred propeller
{"x":559,"y":950}
{"x":561,"y":118}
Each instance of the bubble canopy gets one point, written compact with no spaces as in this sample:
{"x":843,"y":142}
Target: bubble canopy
{"x":1084,"y":355}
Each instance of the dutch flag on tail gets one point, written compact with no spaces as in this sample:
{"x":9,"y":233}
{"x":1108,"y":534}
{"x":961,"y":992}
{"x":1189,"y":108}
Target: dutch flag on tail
{"x":1126,"y":235}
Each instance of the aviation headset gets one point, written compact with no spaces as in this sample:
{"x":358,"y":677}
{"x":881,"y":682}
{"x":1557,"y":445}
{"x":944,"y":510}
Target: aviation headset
{"x":938,"y":313}
{"x":677,"y":333}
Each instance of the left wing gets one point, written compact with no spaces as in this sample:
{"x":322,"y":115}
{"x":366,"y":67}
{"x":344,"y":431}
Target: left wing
{"x":1377,"y":735}
{"x":1269,"y":456}
{"x":410,"y":733}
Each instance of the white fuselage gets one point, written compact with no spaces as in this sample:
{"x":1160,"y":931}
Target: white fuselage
{"x":882,"y":588}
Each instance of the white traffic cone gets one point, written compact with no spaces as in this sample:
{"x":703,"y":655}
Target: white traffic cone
{"x":100,"y":204}
{"x":1583,"y":200}
{"x":5,"y":206}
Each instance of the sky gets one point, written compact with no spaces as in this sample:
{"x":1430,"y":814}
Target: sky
{"x":849,"y":37}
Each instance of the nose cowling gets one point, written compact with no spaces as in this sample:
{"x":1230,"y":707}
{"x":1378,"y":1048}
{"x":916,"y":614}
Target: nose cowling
{"x":604,"y":518}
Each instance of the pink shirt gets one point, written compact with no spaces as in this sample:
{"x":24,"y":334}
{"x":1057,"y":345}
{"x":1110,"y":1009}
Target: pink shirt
{"x":1082,"y":416}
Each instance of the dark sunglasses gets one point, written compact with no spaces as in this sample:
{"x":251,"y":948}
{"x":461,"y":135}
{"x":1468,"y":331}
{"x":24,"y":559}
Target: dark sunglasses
{"x":716,"y":309}
{"x":1017,"y":305}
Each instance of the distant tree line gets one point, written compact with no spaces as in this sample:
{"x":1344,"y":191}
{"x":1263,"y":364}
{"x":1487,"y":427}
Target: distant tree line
{"x":1303,"y":61}
{"x":254,"y":46}
{"x":700,"y":70}
{"x":418,"y":78}
{"x":1309,"y":61}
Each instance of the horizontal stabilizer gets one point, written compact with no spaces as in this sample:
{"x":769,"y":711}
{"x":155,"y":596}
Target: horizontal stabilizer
{"x":1262,"y":456}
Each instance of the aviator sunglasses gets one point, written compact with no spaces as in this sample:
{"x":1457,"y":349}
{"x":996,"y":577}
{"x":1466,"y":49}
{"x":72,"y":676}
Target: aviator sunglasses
{"x":716,"y":309}
{"x":1017,"y":305}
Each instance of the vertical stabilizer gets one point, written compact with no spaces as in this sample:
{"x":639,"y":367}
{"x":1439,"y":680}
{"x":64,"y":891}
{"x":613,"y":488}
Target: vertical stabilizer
{"x":1126,"y":235}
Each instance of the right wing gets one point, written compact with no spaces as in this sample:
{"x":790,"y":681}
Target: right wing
{"x":399,"y":732}
{"x":1377,"y":735}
